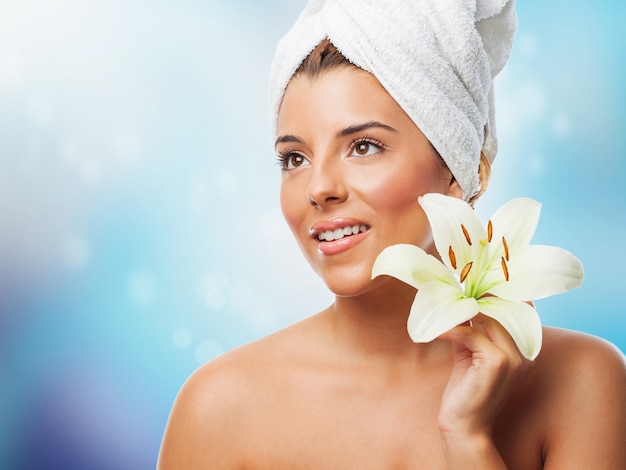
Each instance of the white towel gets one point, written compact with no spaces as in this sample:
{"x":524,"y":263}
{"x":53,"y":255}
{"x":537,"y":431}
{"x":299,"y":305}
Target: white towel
{"x":436,"y":58}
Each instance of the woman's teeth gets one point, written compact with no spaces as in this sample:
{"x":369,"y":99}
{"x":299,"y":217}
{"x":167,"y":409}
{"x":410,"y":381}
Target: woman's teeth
{"x":330,"y":235}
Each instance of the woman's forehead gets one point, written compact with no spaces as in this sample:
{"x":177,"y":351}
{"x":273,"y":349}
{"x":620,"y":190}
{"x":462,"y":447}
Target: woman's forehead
{"x":343,"y":93}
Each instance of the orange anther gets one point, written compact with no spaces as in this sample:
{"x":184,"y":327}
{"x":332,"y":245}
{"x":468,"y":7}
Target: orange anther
{"x":466,"y":269}
{"x":489,"y":231}
{"x":452,"y":257}
{"x":466,"y":233}
{"x":505,"y":270}
{"x":506,"y":248}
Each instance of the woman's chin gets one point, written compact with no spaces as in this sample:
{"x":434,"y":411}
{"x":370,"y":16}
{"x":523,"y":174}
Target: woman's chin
{"x":351,"y":286}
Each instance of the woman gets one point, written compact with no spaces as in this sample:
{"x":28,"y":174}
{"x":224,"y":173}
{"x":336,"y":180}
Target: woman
{"x":347,"y":388}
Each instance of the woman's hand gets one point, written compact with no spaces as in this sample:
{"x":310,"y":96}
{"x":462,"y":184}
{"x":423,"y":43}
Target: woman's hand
{"x":487,"y":369}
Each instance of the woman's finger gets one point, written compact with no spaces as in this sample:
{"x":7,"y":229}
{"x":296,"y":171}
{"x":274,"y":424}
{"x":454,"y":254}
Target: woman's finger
{"x":474,"y":338}
{"x":493,"y":330}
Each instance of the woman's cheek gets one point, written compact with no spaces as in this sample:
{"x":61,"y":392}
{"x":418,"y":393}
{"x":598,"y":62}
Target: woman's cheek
{"x":395,"y":189}
{"x":289,"y":204}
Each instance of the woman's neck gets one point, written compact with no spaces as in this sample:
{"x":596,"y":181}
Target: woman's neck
{"x":373,"y":327}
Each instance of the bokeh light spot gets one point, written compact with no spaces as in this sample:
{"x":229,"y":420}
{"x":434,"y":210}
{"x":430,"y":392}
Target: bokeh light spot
{"x":527,"y":45}
{"x":212,"y":289}
{"x":182,"y":338}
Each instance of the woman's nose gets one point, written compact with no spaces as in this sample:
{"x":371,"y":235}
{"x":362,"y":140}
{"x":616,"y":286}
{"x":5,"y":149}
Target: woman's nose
{"x":326,"y":184}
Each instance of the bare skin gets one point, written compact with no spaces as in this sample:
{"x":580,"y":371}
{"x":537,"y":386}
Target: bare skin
{"x":298,"y":400}
{"x":347,"y":388}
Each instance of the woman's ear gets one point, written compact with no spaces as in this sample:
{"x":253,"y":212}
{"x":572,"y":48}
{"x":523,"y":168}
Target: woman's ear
{"x":454,"y":189}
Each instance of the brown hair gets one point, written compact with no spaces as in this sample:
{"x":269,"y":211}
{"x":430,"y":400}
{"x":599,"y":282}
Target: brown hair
{"x":484,"y":175}
{"x":326,"y":57}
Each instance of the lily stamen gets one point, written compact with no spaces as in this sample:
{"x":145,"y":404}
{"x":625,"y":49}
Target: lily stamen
{"x":489,"y":231}
{"x":467,"y":236}
{"x":506,"y":248}
{"x":452,"y":257}
{"x":466,"y":269}
{"x":505,"y":270}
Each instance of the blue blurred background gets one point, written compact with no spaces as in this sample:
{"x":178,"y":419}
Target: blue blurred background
{"x":140,"y":233}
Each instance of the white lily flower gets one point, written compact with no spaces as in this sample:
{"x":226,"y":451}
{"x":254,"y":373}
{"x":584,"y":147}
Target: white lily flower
{"x":488,"y":269}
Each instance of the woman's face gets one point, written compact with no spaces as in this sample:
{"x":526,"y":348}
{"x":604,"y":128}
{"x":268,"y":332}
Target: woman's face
{"x":353,"y":165}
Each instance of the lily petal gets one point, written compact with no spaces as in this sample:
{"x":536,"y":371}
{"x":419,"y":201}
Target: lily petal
{"x":412,"y":265}
{"x":516,"y":220}
{"x":519,"y":319}
{"x":446,"y":215}
{"x":437,"y":308}
{"x":540,"y":271}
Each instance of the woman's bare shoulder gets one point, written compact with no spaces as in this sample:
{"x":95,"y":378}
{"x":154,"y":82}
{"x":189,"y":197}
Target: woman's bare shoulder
{"x":572,"y":350}
{"x":582,"y":381}
{"x":242,"y":371}
{"x":212,"y":407}
{"x":577,"y":363}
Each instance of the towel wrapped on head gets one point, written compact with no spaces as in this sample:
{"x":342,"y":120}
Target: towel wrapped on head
{"x":436,"y":58}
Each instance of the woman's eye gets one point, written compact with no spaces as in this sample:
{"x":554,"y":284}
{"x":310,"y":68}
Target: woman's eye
{"x":365,"y":149}
{"x":292,"y":161}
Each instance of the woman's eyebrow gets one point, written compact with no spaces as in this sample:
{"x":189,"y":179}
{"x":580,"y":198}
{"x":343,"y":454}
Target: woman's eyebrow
{"x":342,"y":133}
{"x":361,"y":127}
{"x":288,"y":138}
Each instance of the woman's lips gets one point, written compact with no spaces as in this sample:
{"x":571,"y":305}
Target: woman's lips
{"x":338,"y":235}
